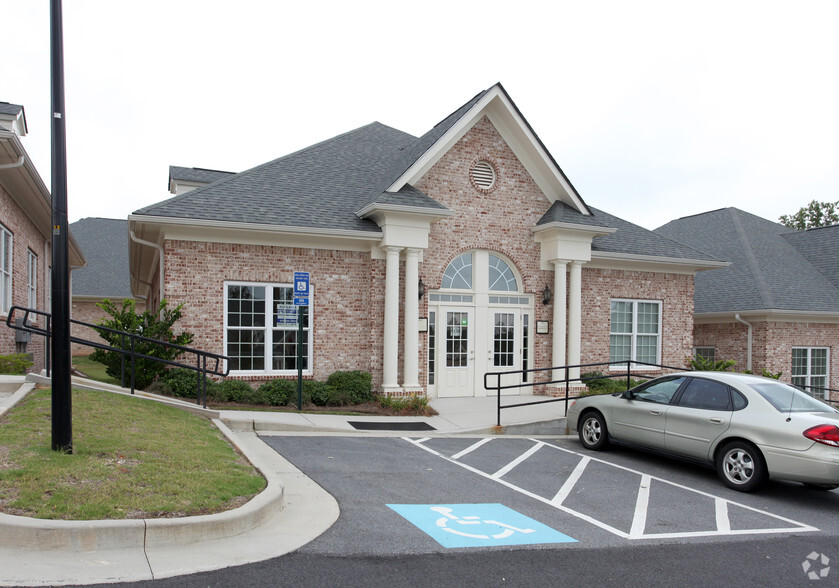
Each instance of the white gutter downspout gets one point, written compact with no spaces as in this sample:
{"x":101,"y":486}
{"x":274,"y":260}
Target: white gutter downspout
{"x":159,"y":248}
{"x":749,"y":342}
{"x":18,"y":163}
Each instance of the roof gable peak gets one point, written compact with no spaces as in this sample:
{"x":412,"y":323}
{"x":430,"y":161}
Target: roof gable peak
{"x":499,"y":108}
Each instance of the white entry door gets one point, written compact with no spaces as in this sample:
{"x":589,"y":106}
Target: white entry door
{"x":457,"y":371}
{"x":505,"y":348}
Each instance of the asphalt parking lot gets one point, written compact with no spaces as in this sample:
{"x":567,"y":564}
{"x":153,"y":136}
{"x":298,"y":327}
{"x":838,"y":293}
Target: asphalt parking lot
{"x":416,"y":495}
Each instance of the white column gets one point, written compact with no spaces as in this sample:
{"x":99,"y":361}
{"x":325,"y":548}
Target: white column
{"x":575,"y":313}
{"x":410,"y":360}
{"x":560,"y":317}
{"x":390,"y":338}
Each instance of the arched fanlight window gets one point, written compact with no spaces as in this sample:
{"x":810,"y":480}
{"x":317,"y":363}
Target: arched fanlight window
{"x":501,"y":277}
{"x":459,"y":273}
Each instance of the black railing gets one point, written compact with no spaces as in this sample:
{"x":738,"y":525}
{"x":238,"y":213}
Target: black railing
{"x":206,"y":363}
{"x":567,"y":380}
{"x":815,"y":390}
{"x":629,"y":374}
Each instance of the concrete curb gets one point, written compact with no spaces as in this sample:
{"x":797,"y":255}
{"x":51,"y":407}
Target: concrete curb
{"x":40,"y":534}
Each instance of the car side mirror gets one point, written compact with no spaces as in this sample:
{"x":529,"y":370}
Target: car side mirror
{"x":628,"y":394}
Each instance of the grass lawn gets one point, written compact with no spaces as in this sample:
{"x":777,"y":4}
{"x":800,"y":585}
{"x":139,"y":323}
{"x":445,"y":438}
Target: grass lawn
{"x":93,"y":369}
{"x":131,"y":459}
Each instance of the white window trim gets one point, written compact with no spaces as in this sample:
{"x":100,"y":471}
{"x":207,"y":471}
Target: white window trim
{"x":6,"y":273}
{"x":634,"y":334}
{"x":269,"y":322}
{"x":32,"y":279}
{"x":808,"y":376}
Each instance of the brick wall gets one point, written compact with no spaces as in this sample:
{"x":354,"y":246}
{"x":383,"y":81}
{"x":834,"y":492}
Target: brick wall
{"x":347,"y":311}
{"x":675,"y":291}
{"x":25,"y":237}
{"x":772,"y":343}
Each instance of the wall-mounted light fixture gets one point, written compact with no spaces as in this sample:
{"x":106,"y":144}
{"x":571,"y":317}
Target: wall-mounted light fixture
{"x":421,"y":288}
{"x":546,"y":295}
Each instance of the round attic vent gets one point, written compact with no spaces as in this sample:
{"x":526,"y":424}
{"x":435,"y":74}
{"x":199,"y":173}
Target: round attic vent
{"x":483,"y":175}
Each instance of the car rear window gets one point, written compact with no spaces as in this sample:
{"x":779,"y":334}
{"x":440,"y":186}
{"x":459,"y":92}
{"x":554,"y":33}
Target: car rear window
{"x":785,"y":398}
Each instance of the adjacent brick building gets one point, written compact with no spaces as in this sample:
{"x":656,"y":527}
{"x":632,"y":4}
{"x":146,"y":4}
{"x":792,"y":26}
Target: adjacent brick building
{"x":25,"y":237}
{"x":776,"y":306}
{"x":433,"y":260}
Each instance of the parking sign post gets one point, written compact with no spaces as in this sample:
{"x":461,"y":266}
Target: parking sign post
{"x":301,"y":299}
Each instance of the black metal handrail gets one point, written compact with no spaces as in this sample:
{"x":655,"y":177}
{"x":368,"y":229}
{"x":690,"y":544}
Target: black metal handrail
{"x":567,"y":380}
{"x":206,"y":363}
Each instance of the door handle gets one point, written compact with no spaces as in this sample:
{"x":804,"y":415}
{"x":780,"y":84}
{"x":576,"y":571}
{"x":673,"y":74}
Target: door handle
{"x":656,"y":412}
{"x":717,"y":420}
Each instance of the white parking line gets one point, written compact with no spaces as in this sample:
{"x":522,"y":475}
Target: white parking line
{"x":523,"y":457}
{"x":639,"y":519}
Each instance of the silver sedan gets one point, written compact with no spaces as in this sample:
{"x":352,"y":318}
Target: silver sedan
{"x":750,"y":428}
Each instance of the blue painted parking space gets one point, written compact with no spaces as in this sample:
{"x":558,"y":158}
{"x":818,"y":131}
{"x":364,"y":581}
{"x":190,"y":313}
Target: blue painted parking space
{"x":478,"y":525}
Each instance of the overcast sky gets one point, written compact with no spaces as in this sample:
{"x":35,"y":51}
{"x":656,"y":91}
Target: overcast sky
{"x":654,"y":110}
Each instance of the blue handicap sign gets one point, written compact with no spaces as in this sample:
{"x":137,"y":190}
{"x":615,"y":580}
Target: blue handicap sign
{"x":478,"y":525}
{"x":301,"y":283}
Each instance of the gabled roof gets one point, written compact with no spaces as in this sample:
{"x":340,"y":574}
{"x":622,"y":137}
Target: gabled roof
{"x":334,"y":184}
{"x":320,"y":187}
{"x":104,"y":242}
{"x":820,"y":247}
{"x":196,"y":175}
{"x":768,"y":270}
{"x":13,"y":115}
{"x":628,"y":239}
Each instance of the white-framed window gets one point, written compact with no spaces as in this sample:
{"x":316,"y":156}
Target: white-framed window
{"x":32,"y":280}
{"x":261,"y":329}
{"x":5,"y":269}
{"x":810,"y":369}
{"x":635,"y":331}
{"x":706,"y":352}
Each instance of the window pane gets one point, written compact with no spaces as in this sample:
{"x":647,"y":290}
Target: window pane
{"x":621,"y":320}
{"x":459,"y":273}
{"x":620,"y":347}
{"x":647,"y":317}
{"x":500,"y":275}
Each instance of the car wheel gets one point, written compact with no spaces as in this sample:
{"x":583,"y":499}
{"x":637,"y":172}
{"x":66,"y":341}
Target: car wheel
{"x":592,"y":431}
{"x":740,"y":466}
{"x":812,"y":486}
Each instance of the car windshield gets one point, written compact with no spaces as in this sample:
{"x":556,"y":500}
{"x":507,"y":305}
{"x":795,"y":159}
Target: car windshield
{"x":785,"y":398}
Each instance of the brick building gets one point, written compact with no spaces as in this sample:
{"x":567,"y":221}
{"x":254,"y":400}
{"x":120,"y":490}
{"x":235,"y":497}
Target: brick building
{"x":25,"y":235}
{"x":433,"y":260}
{"x":776,"y":306}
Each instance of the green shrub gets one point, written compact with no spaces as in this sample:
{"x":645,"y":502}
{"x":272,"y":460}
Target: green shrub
{"x":153,"y":324}
{"x":15,"y":364}
{"x":601,"y":384}
{"x":316,"y":393}
{"x":354,"y":387}
{"x":699,"y":363}
{"x":404,"y":404}
{"x":279,"y":392}
{"x":181,"y":383}
{"x":241,"y":393}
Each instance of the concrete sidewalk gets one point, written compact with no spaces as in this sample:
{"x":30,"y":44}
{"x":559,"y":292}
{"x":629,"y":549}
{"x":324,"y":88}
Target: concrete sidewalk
{"x":289,"y":513}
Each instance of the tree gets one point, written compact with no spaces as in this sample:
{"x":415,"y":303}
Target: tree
{"x":153,"y":324}
{"x":816,"y":214}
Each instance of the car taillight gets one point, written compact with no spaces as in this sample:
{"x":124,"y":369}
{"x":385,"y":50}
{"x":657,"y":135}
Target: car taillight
{"x":827,"y":434}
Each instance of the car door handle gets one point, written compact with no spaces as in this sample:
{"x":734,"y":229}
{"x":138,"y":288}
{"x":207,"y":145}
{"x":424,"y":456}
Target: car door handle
{"x":717,"y":420}
{"x":656,"y":412}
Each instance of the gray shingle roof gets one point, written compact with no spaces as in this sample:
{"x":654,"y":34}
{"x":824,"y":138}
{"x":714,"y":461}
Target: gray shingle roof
{"x":820,"y":247}
{"x":628,"y":239}
{"x":321,"y":186}
{"x":10,"y":109}
{"x":197,"y":174}
{"x":767,"y":271}
{"x":104,"y":242}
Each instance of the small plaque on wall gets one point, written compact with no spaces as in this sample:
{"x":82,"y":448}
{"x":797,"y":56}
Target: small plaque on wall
{"x":423,"y":325}
{"x":542,"y":328}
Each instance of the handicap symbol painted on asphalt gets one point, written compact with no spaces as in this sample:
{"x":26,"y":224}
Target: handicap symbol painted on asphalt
{"x":478,"y":525}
